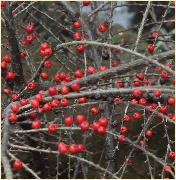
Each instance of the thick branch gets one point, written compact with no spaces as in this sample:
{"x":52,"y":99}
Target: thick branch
{"x":100,"y":75}
{"x":4,"y":147}
{"x":100,"y":92}
{"x":15,"y":52}
{"x":150,"y":60}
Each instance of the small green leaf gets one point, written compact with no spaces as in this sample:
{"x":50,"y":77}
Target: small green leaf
{"x":142,"y":47}
{"x":116,"y":39}
{"x":63,"y":58}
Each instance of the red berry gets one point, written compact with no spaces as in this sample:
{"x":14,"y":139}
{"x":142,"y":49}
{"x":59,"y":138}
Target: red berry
{"x":52,"y":128}
{"x":82,"y":100}
{"x":80,"y":48}
{"x":54,"y":103}
{"x":64,"y":102}
{"x":163,"y":109}
{"x":75,"y":86}
{"x":56,"y":77}
{"x":164,"y":74}
{"x":142,"y":101}
{"x":73,"y":148}
{"x":167,"y":168}
{"x":12,"y":117}
{"x":158,"y":68}
{"x":24,"y":102}
{"x":3,"y":4}
{"x":157,"y":93}
{"x":10,"y":75}
{"x":35,"y":104}
{"x":119,"y":84}
{"x":22,"y":55}
{"x":41,"y":92}
{"x":170,"y":115}
{"x":102,"y":27}
{"x":94,"y":110}
{"x":154,"y":34}
{"x":81,"y":148}
{"x":62,"y":148}
{"x":171,"y":154}
{"x":115,"y":63}
{"x":137,"y":115}
{"x":47,"y":107}
{"x":77,"y":24}
{"x":102,"y":68}
{"x":77,"y":36}
{"x":95,"y":125}
{"x":62,"y":75}
{"x":52,"y":91}
{"x":126,"y":118}
{"x":63,"y":82}
{"x":137,"y":82}
{"x":154,"y":106}
{"x":137,"y":93}
{"x":29,"y":28}
{"x":15,"y":108}
{"x":68,"y":121}
{"x":47,"y":64}
{"x":33,"y":115}
{"x":30,"y":38}
{"x":36,"y":124}
{"x":24,"y":42}
{"x":38,"y":97}
{"x":14,"y":97}
{"x":79,"y":74}
{"x":169,"y":65}
{"x":141,"y":75}
{"x":4,"y":65}
{"x":44,"y":75}
{"x":7,"y":91}
{"x":65,"y":90}
{"x":103,"y":121}
{"x":44,"y":46}
{"x":101,"y":130}
{"x":80,"y":118}
{"x":90,"y":70}
{"x":150,"y":48}
{"x":121,"y":139}
{"x":31,"y":86}
{"x":123,"y":129}
{"x":86,"y":3}
{"x":6,"y":58}
{"x":48,"y":52}
{"x":117,"y":100}
{"x":141,"y":142}
{"x":68,"y":78}
{"x":134,"y":102}
{"x":171,"y":101}
{"x":148,"y":133}
{"x":84,"y":125}
{"x":129,"y":162}
{"x":42,"y":52}
{"x":17,"y":165}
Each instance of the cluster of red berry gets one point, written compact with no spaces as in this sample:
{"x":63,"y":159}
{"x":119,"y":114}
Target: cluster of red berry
{"x":30,"y":37}
{"x":45,"y":50}
{"x":73,"y":148}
